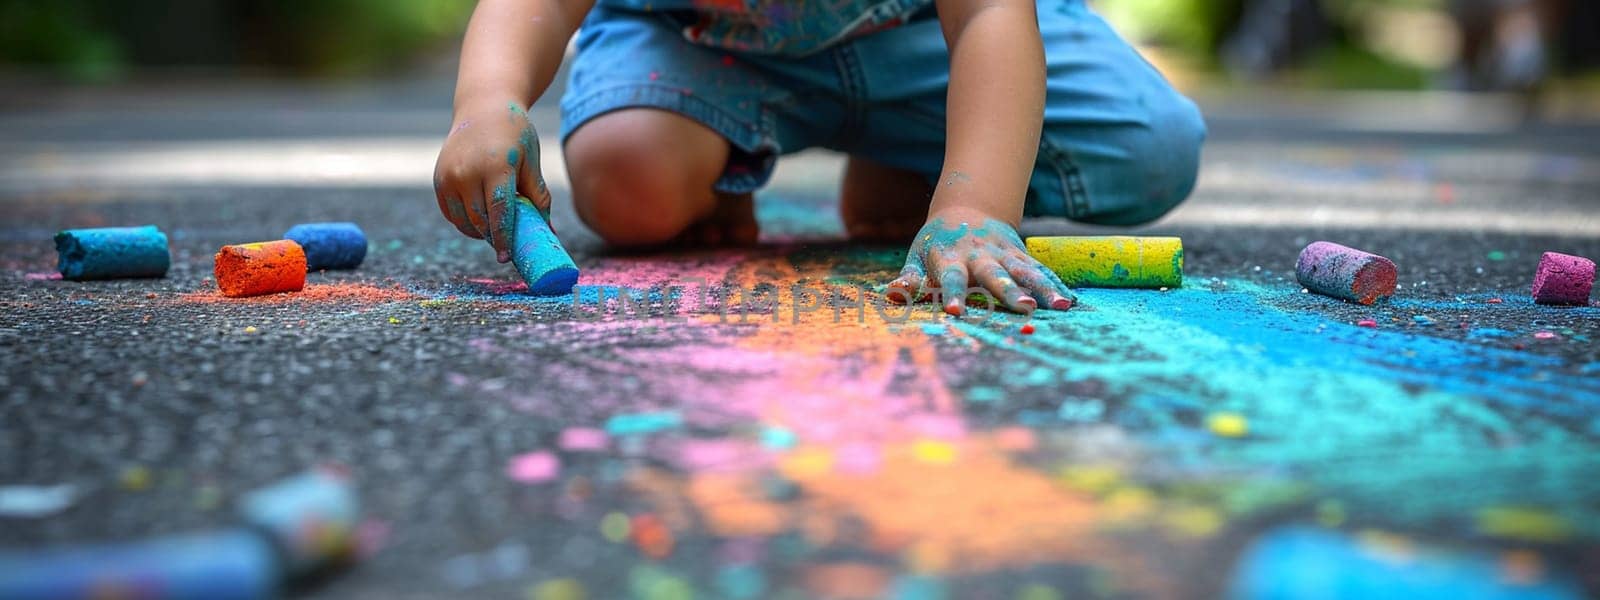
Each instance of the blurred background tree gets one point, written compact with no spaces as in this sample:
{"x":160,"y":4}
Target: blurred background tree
{"x":100,"y":39}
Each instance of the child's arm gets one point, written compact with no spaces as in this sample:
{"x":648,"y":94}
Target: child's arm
{"x":995,"y":111}
{"x":511,"y":52}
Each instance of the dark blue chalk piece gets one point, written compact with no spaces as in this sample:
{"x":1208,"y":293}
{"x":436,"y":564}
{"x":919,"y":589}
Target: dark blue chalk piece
{"x":112,"y":253}
{"x":538,"y":255}
{"x":330,"y":245}
{"x":230,"y":564}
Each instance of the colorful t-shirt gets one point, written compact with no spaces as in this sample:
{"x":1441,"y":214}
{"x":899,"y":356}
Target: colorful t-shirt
{"x":779,"y":27}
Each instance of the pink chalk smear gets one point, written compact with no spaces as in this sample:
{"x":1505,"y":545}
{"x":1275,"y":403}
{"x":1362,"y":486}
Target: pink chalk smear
{"x":534,"y":467}
{"x":1016,"y":439}
{"x":583,"y":439}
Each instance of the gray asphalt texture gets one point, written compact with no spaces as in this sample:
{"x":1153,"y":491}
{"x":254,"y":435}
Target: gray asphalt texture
{"x":101,"y":377}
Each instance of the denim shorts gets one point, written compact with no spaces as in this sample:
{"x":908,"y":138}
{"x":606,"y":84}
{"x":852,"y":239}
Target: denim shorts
{"x":1119,"y":146}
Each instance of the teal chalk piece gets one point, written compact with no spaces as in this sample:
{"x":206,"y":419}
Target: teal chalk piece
{"x":643,"y":423}
{"x":112,"y":253}
{"x":538,"y":255}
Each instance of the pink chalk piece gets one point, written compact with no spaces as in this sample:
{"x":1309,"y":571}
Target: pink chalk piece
{"x":583,"y":439}
{"x":1563,"y":279}
{"x":1345,"y":273}
{"x":714,"y":455}
{"x":1545,"y":335}
{"x":534,"y":467}
{"x":858,"y":459}
{"x":1369,"y":323}
{"x":943,"y":427}
{"x":50,"y":276}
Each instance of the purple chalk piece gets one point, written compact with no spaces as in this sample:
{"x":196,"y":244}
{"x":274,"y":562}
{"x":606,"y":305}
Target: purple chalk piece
{"x":1345,"y":273}
{"x":1563,"y":279}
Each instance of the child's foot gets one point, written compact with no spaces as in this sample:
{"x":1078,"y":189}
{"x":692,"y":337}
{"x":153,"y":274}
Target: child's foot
{"x":882,"y":204}
{"x":732,"y":223}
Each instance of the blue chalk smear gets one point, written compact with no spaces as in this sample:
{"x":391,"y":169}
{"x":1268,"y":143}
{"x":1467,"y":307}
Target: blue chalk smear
{"x":538,"y":255}
{"x":643,"y":423}
{"x":236,"y":563}
{"x":112,"y":253}
{"x":330,"y":245}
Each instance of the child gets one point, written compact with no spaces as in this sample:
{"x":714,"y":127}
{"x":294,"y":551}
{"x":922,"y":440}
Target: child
{"x":959,"y":118}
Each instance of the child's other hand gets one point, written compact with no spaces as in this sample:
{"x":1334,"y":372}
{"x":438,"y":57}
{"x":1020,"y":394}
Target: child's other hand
{"x":490,"y":157}
{"x":965,"y":246}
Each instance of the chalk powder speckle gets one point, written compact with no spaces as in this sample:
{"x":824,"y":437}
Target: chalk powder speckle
{"x":583,"y":439}
{"x":534,"y":467}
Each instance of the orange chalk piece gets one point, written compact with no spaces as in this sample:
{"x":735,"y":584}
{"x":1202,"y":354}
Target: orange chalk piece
{"x":261,"y":268}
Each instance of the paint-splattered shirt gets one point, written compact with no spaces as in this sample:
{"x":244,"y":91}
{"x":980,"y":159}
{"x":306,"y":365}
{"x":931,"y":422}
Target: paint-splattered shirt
{"x":779,"y":27}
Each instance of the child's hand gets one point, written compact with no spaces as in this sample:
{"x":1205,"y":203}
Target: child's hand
{"x":491,"y":156}
{"x":963,"y":246}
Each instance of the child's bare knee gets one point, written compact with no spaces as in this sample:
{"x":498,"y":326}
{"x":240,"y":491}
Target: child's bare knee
{"x":627,"y":197}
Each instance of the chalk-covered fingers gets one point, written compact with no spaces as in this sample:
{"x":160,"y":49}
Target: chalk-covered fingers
{"x":953,"y":278}
{"x":1042,"y":281}
{"x":907,"y":288}
{"x":454,"y":210}
{"x":994,"y":278}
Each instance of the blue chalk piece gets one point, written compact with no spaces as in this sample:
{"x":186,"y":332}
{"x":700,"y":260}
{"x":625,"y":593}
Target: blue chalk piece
{"x":330,"y":245}
{"x":642,"y":423}
{"x":778,"y":438}
{"x":538,"y":255}
{"x":112,"y":253}
{"x":231,"y":564}
{"x":1303,"y":562}
{"x":311,"y":516}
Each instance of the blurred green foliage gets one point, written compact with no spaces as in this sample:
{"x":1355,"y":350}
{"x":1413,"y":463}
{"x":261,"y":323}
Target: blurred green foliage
{"x":61,"y":33}
{"x":352,"y":36}
{"x":97,"y":39}
{"x":1194,"y":27}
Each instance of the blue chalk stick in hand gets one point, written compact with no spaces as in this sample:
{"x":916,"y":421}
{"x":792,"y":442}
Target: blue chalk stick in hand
{"x":112,"y":253}
{"x":330,"y":245}
{"x":538,"y":255}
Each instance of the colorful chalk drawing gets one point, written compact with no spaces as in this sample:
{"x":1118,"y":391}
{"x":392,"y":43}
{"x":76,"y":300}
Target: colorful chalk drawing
{"x":1186,"y":443}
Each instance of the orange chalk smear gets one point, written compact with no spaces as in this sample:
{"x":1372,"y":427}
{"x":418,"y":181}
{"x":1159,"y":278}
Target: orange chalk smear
{"x":261,"y":268}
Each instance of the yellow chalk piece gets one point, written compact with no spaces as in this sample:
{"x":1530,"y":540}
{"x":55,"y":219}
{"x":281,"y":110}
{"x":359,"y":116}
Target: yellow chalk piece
{"x":1038,"y":591}
{"x":1129,"y":504}
{"x":1115,"y":261}
{"x":1330,"y":513}
{"x":1390,"y":548}
{"x":615,"y":527}
{"x":807,"y":462}
{"x":934,"y":452}
{"x":135,"y":479}
{"x":1094,"y":479}
{"x":1523,"y":523}
{"x":1228,"y":425}
{"x":557,"y":589}
{"x":1193,"y":521}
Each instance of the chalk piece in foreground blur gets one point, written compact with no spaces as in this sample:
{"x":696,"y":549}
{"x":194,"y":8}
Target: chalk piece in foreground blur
{"x":330,"y":245}
{"x":1345,"y":273}
{"x":1116,"y":261}
{"x":1563,"y":279}
{"x":112,"y":253}
{"x":260,"y":268}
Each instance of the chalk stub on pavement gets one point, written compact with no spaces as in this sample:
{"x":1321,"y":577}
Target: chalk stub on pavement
{"x":1563,"y":279}
{"x":339,"y":245}
{"x":112,"y":253}
{"x":260,"y":268}
{"x":1346,"y":273}
{"x":1116,"y":261}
